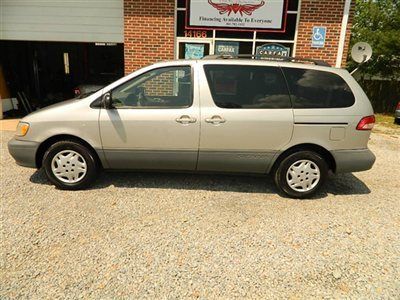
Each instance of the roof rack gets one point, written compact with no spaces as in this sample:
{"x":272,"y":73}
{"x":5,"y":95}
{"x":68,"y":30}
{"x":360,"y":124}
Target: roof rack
{"x":271,"y":58}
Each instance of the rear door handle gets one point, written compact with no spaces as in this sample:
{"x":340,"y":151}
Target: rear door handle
{"x":215,"y":120}
{"x":185,"y":119}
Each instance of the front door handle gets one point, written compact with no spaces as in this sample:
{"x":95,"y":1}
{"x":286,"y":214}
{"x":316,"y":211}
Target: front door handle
{"x":215,"y":120}
{"x":186,"y":120}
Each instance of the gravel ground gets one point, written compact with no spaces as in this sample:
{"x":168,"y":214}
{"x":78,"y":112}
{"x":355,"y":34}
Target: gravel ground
{"x":197,"y":236}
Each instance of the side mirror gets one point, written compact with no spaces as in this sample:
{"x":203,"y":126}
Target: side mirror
{"x":107,"y":101}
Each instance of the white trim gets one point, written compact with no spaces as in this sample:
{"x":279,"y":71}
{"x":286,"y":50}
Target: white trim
{"x":194,"y":40}
{"x":212,"y":46}
{"x":296,"y":34}
{"x":253,"y":50}
{"x":175,"y":29}
{"x":250,"y":40}
{"x":276,"y":41}
{"x":292,"y":12}
{"x":237,"y":40}
{"x":342,"y":40}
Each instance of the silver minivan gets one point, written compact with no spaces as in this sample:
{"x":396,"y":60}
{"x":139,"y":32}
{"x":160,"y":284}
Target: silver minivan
{"x":294,"y":120}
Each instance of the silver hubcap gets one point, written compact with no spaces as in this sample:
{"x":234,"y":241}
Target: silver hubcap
{"x":303,"y":175}
{"x":69,"y":166}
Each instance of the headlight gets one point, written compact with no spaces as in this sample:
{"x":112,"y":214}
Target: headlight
{"x":22,"y":129}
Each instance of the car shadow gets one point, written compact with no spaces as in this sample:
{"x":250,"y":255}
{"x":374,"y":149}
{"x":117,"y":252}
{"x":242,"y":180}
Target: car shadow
{"x":342,"y":184}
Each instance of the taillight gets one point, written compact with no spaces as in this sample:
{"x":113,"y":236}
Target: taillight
{"x":398,"y":106}
{"x":366,"y":123}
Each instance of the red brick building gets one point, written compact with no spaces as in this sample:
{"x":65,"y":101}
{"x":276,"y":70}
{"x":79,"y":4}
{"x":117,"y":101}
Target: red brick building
{"x":166,"y":29}
{"x":96,"y":42}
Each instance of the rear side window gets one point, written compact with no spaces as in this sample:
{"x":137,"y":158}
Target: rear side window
{"x":249,"y":87}
{"x":318,"y":89}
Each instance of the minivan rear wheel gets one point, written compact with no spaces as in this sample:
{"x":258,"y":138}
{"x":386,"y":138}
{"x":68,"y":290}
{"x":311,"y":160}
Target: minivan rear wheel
{"x":70,"y":165}
{"x":301,"y":174}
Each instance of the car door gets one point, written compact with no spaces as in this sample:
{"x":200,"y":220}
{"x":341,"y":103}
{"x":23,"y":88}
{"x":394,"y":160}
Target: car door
{"x":247,"y":116}
{"x":154,"y":122}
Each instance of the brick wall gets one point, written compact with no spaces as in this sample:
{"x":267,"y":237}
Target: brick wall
{"x":160,"y":85}
{"x":148,"y":32}
{"x":327,"y":13}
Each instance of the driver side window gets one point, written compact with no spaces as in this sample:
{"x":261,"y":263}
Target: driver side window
{"x":169,"y":87}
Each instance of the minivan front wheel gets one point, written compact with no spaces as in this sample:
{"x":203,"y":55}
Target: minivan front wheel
{"x":301,"y":174}
{"x":69,"y":165}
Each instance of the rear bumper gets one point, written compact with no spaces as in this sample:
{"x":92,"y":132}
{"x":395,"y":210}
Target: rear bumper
{"x":353,"y":160}
{"x":24,"y":152}
{"x":397,"y":114}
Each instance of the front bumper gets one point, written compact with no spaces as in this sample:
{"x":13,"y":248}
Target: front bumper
{"x":24,"y":152}
{"x":353,"y":160}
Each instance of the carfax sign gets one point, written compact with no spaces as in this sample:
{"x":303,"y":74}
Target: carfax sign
{"x":226,"y":48}
{"x":273,"y":49}
{"x":261,"y":15}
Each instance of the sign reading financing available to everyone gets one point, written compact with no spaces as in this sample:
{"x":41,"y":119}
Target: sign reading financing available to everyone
{"x":248,"y":15}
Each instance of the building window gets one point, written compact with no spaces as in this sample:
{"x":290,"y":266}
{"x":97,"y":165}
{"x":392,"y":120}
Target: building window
{"x":238,"y":41}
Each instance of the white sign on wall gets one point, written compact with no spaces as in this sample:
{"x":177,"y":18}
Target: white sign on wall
{"x":262,"y":15}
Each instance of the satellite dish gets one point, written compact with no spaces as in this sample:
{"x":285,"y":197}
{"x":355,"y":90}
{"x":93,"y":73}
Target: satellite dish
{"x":361,"y":52}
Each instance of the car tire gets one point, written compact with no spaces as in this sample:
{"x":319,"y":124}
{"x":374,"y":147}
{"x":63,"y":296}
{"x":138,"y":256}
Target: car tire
{"x":397,"y":121}
{"x":300,"y":174}
{"x":69,"y":165}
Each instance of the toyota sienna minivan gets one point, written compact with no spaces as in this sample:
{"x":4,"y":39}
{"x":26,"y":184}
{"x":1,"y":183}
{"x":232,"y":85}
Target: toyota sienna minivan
{"x":296,"y":120}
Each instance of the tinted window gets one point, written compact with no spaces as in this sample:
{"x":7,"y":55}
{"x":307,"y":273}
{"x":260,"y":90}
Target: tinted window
{"x":247,"y":86}
{"x":317,"y":89}
{"x":160,"y":88}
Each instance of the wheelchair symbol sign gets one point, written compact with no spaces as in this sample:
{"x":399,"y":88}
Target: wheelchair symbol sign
{"x":318,"y":37}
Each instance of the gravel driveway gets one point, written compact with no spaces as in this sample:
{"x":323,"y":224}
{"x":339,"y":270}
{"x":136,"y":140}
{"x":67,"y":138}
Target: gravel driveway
{"x":199,"y":236}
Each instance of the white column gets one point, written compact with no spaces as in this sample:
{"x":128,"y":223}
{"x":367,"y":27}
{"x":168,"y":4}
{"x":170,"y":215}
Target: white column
{"x":296,"y":35}
{"x":342,"y":40}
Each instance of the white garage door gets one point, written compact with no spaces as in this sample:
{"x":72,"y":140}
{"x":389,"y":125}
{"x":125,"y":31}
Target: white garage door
{"x":62,"y":20}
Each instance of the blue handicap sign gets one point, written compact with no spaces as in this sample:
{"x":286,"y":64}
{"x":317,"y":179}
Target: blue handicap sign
{"x":318,"y":37}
